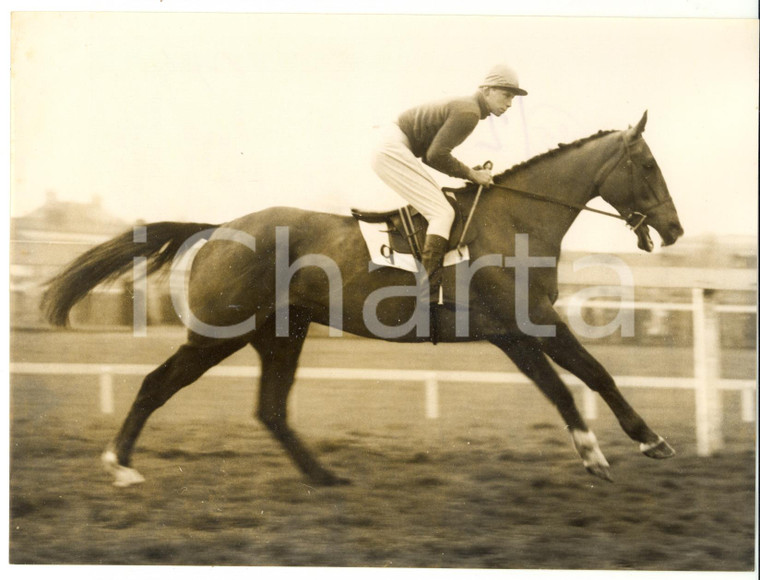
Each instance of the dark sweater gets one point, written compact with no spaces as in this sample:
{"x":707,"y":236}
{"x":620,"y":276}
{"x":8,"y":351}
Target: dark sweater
{"x":436,"y":128}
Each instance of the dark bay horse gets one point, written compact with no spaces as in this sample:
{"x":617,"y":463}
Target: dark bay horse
{"x":262,"y":279}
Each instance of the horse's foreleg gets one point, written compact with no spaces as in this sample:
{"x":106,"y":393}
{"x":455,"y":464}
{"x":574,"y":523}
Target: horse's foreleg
{"x":179,"y":370}
{"x":526,"y":353}
{"x":567,"y":352}
{"x":279,"y":360}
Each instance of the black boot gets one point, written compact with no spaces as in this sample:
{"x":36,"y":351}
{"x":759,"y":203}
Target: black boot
{"x":432,"y":262}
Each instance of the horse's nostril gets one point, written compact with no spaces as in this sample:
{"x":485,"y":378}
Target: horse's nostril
{"x":671,"y":234}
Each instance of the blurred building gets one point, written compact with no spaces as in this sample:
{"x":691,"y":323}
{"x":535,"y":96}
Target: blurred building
{"x":666,"y":327}
{"x":48,"y":238}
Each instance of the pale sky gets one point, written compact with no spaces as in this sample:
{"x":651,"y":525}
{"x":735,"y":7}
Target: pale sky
{"x":205,"y":117}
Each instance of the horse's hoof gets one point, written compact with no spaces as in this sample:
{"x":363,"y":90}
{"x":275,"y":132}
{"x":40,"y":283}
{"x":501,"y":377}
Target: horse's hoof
{"x":657,"y":450}
{"x":600,"y":471}
{"x":593,"y":459}
{"x":123,"y":476}
{"x":328,"y":479}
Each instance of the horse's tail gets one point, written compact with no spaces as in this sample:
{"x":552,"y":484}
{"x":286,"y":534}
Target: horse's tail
{"x":158,"y":242}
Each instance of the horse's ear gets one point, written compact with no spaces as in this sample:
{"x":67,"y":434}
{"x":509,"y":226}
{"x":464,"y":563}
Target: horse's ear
{"x":639,"y":129}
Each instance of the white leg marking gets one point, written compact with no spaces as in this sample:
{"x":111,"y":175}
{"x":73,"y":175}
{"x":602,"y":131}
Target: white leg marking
{"x":644,"y":447}
{"x":123,"y":476}
{"x":588,"y":448}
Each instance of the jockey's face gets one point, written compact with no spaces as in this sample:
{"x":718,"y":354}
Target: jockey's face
{"x":498,"y":100}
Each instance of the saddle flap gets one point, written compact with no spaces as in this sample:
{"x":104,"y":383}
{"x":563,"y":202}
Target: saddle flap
{"x":399,"y":239}
{"x":378,"y":217}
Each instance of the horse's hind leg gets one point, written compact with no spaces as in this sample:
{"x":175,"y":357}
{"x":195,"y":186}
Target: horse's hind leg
{"x":184,"y":367}
{"x":526,"y":353}
{"x":567,"y":352}
{"x":279,"y":360}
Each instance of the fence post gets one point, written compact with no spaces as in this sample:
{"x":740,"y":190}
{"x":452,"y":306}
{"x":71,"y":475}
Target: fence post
{"x":140,"y":297}
{"x":431,"y":397}
{"x":748,"y":405}
{"x":590,"y":408}
{"x":106,"y":391}
{"x":709,"y":408}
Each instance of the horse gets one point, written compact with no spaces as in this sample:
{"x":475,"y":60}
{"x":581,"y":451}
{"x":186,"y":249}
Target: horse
{"x":264,"y":278}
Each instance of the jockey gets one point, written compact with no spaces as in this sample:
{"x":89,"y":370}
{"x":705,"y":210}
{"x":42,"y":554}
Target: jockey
{"x":425,"y":135}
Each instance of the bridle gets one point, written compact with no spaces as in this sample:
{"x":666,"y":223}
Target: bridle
{"x":634,"y":219}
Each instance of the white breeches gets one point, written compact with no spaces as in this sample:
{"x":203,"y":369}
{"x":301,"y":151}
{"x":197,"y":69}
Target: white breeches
{"x":396,"y":165}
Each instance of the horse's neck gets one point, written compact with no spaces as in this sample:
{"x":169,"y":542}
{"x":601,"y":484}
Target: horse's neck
{"x":566,"y":176}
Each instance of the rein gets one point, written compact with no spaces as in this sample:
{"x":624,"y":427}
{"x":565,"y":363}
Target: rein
{"x":633,"y":217}
{"x":634,"y":220}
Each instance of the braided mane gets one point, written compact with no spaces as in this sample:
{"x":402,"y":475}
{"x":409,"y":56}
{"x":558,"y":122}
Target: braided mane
{"x":561,"y":148}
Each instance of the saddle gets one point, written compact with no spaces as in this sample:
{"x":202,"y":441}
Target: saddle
{"x":407,"y":228}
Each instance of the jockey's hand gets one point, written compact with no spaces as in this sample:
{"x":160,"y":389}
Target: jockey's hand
{"x":481,"y":176}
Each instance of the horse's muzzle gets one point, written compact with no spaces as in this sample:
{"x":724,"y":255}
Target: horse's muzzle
{"x":664,"y":219}
{"x":671,"y":233}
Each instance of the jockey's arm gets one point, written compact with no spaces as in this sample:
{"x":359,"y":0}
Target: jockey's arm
{"x":451,"y":134}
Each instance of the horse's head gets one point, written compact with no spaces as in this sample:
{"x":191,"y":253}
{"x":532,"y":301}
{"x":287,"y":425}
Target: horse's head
{"x":633,"y":184}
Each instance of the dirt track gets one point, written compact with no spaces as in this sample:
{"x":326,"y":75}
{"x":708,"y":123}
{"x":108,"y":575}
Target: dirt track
{"x":494,"y":483}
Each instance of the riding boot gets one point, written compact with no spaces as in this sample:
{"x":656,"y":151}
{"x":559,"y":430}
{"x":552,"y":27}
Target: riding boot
{"x":432,"y":262}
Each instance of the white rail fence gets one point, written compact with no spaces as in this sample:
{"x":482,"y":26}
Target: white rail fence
{"x":430,"y":379}
{"x":706,"y":382}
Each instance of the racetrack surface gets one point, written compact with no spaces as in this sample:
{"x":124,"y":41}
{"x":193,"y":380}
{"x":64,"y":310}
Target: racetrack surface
{"x":493,"y":483}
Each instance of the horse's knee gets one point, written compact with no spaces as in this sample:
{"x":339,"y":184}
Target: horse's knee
{"x":601,"y":381}
{"x":274,"y":421}
{"x":153,"y":394}
{"x":273,"y":396}
{"x":563,"y":398}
